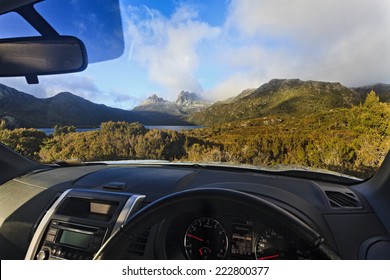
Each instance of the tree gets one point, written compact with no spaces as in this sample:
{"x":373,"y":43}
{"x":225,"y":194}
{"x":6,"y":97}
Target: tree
{"x":371,"y":100}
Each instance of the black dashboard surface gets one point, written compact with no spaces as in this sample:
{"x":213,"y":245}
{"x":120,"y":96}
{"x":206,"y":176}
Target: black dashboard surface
{"x":24,"y":200}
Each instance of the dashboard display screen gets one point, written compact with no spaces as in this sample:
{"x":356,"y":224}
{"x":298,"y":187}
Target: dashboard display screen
{"x":242,"y":239}
{"x":76,"y":239}
{"x":101,"y":208}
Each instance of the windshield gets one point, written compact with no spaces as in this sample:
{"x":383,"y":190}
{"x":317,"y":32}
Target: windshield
{"x":267,"y":84}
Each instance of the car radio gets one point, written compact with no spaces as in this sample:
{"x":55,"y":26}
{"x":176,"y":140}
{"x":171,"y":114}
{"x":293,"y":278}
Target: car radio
{"x":65,"y":240}
{"x":79,"y":222}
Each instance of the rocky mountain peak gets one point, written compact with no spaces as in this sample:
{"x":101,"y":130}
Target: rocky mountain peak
{"x":187,"y":98}
{"x":186,"y":103}
{"x":64,"y":94}
{"x":277,"y":84}
{"x":154,"y":99}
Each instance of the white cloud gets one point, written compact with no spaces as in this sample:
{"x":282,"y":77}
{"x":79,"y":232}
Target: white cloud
{"x":346,"y":41}
{"x":231,"y":86}
{"x":310,"y":21}
{"x":168,"y":47}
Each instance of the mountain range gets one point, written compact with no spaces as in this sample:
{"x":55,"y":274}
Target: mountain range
{"x":186,"y":104}
{"x":66,"y":108}
{"x":277,"y":97}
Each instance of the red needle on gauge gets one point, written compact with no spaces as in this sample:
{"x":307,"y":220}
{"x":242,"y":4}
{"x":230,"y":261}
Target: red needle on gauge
{"x":269,"y":257}
{"x":195,"y":237}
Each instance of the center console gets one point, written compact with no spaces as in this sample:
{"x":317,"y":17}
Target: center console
{"x":79,"y":222}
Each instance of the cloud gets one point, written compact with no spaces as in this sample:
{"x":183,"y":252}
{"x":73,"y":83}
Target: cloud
{"x":231,"y":86}
{"x":122,"y":99}
{"x":346,"y":41}
{"x":168,"y":47}
{"x":315,"y":22}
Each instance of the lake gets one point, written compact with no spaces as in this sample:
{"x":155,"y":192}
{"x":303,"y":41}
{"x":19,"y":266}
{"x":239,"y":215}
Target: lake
{"x":49,"y":131}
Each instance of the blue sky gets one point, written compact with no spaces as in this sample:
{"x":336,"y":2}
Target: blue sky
{"x":218,"y":48}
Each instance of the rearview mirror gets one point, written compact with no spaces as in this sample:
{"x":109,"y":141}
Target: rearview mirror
{"x":33,"y":56}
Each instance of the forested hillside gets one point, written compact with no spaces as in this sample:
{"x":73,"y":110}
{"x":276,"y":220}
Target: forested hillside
{"x":348,"y":140}
{"x":280,"y":97}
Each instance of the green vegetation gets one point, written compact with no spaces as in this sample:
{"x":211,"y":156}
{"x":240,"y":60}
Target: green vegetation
{"x":351,"y":140}
{"x":279,"y":97}
{"x":25,"y":141}
{"x":114,"y":141}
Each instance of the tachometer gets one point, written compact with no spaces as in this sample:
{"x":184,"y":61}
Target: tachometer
{"x":205,"y":239}
{"x":270,"y":244}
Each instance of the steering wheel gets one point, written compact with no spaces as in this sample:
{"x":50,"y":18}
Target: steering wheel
{"x":115,"y":247}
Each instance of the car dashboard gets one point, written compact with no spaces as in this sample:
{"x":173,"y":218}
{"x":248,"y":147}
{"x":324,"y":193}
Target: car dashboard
{"x":73,"y":212}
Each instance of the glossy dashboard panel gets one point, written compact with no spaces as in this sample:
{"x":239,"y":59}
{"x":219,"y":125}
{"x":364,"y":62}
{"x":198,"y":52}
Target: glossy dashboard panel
{"x":24,"y":201}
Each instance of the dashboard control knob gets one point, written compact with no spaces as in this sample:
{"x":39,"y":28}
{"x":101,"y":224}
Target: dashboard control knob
{"x":43,"y":254}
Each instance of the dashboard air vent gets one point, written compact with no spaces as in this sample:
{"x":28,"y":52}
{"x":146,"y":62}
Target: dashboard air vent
{"x":138,"y":246}
{"x":339,"y":199}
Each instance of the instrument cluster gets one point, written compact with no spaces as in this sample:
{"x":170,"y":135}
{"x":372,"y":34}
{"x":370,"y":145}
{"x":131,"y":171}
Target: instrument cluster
{"x":232,"y":237}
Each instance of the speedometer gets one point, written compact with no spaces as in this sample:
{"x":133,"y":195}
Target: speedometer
{"x":205,"y":239}
{"x":270,"y":244}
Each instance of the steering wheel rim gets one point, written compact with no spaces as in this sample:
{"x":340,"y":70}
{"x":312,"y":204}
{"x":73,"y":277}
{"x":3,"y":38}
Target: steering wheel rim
{"x":116,"y":246}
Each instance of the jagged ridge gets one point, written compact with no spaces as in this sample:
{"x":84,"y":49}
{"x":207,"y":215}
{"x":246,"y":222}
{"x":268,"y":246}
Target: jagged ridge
{"x":185,"y":104}
{"x":280,"y":97}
